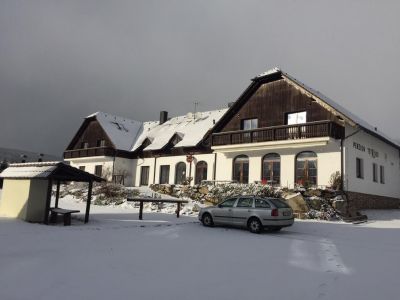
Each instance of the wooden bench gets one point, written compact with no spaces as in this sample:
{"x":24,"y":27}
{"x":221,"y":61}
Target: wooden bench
{"x":66,"y":213}
{"x":156,"y":200}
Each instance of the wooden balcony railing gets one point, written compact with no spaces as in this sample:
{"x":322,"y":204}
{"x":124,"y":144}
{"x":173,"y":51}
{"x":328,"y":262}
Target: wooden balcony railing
{"x":279,"y":133}
{"x":97,"y":151}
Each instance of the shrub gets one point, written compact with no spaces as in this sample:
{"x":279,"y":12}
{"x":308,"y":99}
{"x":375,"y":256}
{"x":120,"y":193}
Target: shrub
{"x":335,"y":181}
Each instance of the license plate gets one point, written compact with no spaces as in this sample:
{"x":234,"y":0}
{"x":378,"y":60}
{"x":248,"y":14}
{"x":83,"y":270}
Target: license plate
{"x":286,"y":213}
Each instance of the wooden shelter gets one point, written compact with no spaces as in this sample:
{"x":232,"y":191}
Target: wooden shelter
{"x":28,"y":187}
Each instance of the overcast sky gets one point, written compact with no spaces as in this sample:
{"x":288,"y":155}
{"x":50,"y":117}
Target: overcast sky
{"x":62,"y":60}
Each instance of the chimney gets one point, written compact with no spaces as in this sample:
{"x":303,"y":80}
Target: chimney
{"x":163,"y":116}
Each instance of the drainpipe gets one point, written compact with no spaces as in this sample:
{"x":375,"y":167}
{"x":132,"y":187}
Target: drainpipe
{"x":342,"y":163}
{"x":154,"y":171}
{"x":215,"y":167}
{"x":342,"y":158}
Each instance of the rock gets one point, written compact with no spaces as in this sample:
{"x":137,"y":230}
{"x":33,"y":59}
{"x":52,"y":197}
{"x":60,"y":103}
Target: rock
{"x":297,"y":202}
{"x":203,"y":190}
{"x":312,"y":193}
{"x":340,"y":205}
{"x":314,"y":202}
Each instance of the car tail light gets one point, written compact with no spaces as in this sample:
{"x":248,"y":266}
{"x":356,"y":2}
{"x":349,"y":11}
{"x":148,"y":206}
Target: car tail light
{"x":274,"y":212}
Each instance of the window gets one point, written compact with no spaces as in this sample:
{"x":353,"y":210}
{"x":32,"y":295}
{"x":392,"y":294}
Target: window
{"x":100,"y":143}
{"x":201,"y":172}
{"x":359,"y":168}
{"x":271,"y":169}
{"x":279,"y":203}
{"x":98,"y":170}
{"x":306,"y":168}
{"x":144,"y":175}
{"x":245,"y":203}
{"x":164,"y":174}
{"x":375,"y":172}
{"x":382,"y":173}
{"x":180,"y":173}
{"x":228,"y":203}
{"x":241,"y":169}
{"x":84,"y":145}
{"x":261,"y":203}
{"x":249,"y":124}
{"x":296,"y":118}
{"x":82,"y":168}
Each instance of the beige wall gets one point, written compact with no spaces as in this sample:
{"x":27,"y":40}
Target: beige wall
{"x":24,"y":199}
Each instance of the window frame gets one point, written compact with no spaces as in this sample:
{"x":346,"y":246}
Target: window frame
{"x":168,"y":169}
{"x":374,"y":172}
{"x":310,"y":158}
{"x":242,"y":173}
{"x":141,"y":182}
{"x":204,"y":171}
{"x":273,"y":161}
{"x":243,"y":121}
{"x":359,"y":168}
{"x":181,"y":163}
{"x":97,"y":172}
{"x":382,"y":174}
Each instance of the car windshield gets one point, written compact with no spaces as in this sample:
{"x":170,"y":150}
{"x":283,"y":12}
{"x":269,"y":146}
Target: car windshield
{"x":279,"y":203}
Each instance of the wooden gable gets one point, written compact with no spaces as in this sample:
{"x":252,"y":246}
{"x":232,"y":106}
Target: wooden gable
{"x":90,"y":132}
{"x":270,"y":102}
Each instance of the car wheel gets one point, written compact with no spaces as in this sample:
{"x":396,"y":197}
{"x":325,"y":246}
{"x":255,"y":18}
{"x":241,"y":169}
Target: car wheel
{"x":254,"y":225}
{"x":207,"y":220}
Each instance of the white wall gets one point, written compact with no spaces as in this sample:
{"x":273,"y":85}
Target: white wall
{"x":388,"y":157}
{"x":172,"y":161}
{"x":329,"y":161}
{"x":90,"y":162}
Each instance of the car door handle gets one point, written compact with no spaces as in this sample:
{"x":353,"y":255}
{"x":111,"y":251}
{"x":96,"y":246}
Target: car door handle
{"x":249,"y":210}
{"x":230,"y":209}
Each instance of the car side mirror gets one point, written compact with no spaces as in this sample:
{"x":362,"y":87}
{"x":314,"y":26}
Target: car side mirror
{"x":219,"y":205}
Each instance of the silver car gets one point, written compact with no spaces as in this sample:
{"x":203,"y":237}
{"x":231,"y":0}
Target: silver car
{"x":252,"y":212}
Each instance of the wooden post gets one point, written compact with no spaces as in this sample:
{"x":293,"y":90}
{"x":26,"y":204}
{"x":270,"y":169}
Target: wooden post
{"x":57,"y":193}
{"x":141,"y":210}
{"x":178,"y":209}
{"x":48,"y":201}
{"x":88,"y":201}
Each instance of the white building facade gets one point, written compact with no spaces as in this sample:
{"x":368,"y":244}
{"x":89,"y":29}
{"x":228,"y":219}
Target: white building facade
{"x":278,"y":132}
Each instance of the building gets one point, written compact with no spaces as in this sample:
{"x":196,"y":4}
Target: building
{"x":279,"y":131}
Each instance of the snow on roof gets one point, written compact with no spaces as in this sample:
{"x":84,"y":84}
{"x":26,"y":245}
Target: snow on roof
{"x":30,"y":170}
{"x":121,"y":131}
{"x":331,"y":103}
{"x":191,"y":129}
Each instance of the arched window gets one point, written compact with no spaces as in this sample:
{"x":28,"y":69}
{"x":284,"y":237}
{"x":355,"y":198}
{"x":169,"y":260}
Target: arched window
{"x":201,"y":172}
{"x":306,"y":168}
{"x":271,"y":169}
{"x":241,"y":169}
{"x":180,"y":173}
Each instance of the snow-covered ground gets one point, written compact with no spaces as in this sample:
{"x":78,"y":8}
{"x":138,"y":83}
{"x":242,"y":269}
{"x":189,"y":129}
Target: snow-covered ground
{"x":116,"y":256}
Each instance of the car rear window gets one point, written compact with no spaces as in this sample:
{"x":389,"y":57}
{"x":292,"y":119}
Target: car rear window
{"x":279,"y":203}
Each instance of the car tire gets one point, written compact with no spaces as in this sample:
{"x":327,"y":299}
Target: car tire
{"x":207,"y":220}
{"x":254,"y":225}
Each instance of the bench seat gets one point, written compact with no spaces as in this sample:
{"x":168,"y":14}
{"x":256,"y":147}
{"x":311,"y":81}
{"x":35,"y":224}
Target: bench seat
{"x":65,"y":212}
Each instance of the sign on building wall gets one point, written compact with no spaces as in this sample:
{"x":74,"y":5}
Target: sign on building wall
{"x":372,"y":152}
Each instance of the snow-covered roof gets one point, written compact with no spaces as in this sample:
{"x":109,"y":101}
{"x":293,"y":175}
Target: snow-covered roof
{"x":121,"y":131}
{"x":129,"y":135}
{"x":29,"y":170}
{"x":339,"y":108}
{"x":190,"y":128}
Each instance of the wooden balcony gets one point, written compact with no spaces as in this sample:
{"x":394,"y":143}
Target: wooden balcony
{"x":87,"y":152}
{"x":280,"y":133}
